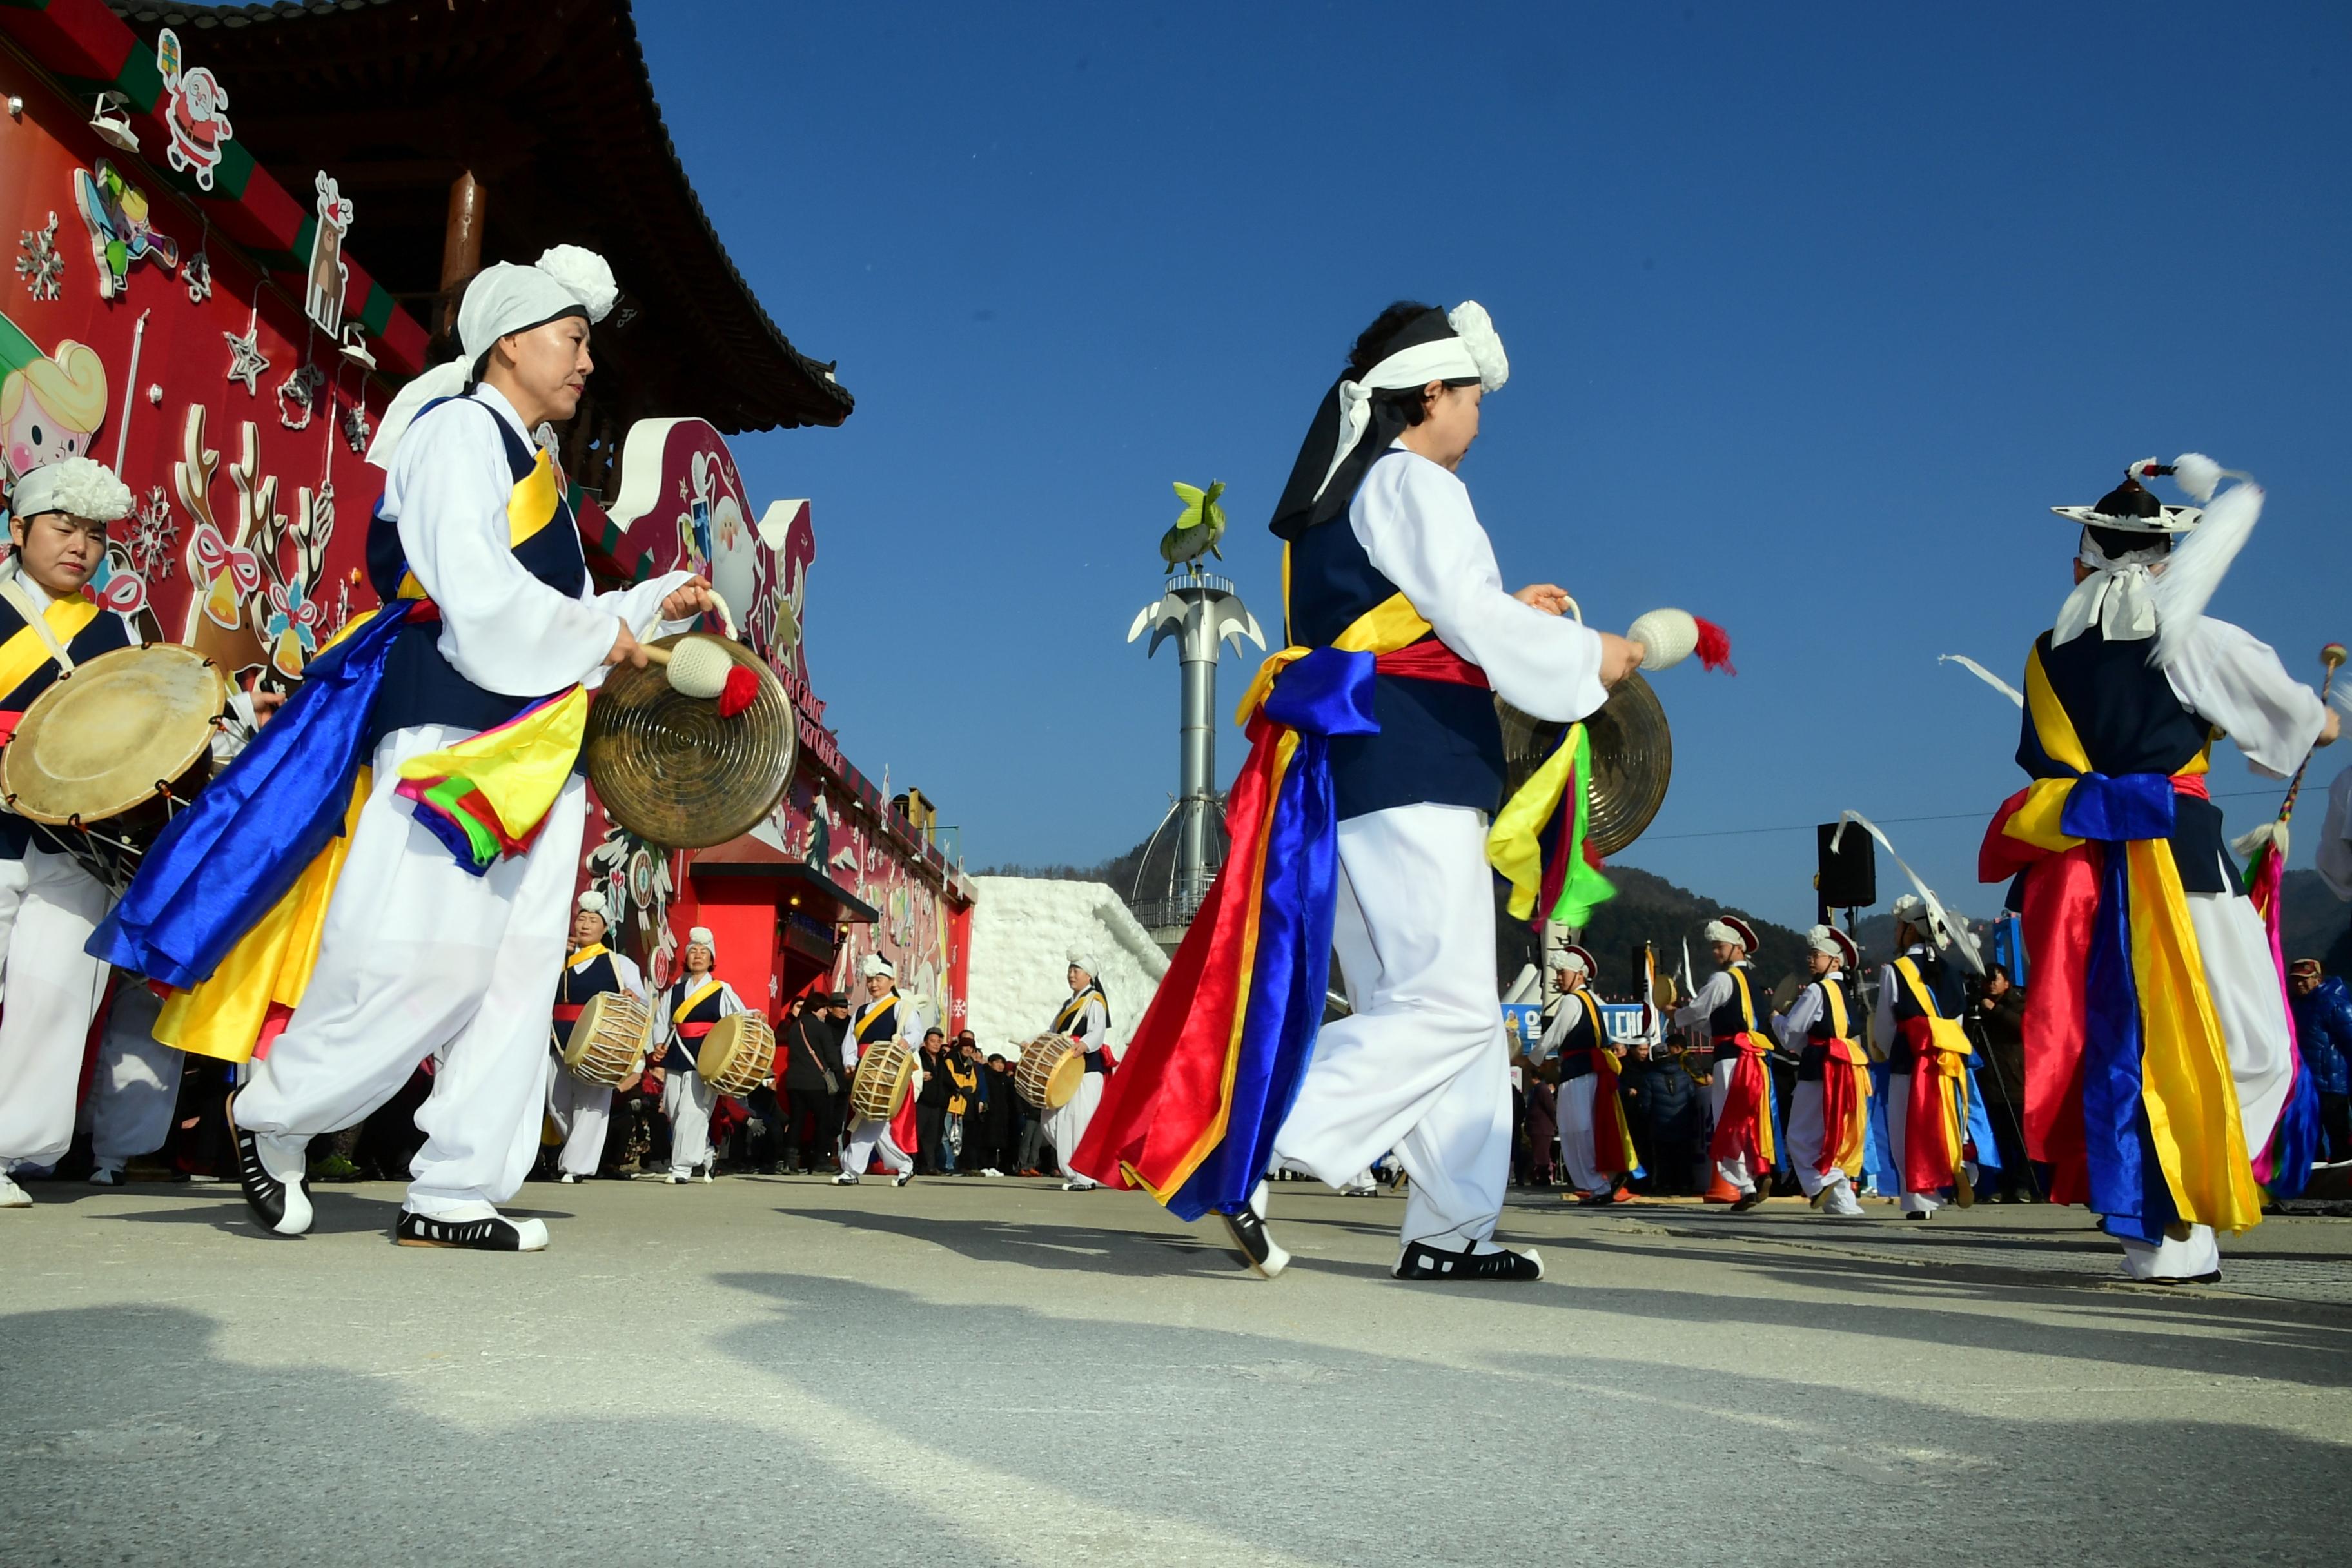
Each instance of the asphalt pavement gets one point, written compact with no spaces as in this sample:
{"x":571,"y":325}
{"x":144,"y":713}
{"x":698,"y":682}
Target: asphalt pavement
{"x":775,"y":1370}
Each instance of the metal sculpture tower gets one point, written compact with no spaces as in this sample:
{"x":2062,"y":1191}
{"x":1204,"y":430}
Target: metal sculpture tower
{"x":1203,"y":612}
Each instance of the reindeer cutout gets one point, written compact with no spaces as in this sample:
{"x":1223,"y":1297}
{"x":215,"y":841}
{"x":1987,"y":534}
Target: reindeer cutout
{"x":223,"y":570}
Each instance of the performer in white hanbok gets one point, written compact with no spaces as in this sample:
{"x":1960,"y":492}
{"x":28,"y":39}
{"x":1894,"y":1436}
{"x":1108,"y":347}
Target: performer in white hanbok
{"x":1086,"y":1018}
{"x":422,"y":954}
{"x":1384,"y":550}
{"x":48,"y":903}
{"x":1733,"y":1009}
{"x":883,"y":1015}
{"x":1829,"y":1115}
{"x":1593,"y":1147}
{"x":2155,"y":999}
{"x":693,"y":1004}
{"x":583,"y":1111}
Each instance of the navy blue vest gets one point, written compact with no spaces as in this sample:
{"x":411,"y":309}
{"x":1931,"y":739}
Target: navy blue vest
{"x":420,"y":687}
{"x":1823,"y":1029}
{"x":2130,"y":720}
{"x":1730,"y":1019}
{"x":1438,"y":742}
{"x":575,"y":986}
{"x":1576,"y":1046}
{"x":106,"y":632}
{"x":682,"y":1052}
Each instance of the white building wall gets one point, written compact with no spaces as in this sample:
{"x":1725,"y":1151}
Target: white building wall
{"x":1023,"y":930}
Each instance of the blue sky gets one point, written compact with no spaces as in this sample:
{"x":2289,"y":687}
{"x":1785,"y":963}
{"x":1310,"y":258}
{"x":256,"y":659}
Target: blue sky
{"x":1813,"y":312}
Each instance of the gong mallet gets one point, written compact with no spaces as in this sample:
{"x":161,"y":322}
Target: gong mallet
{"x":2332,"y":656}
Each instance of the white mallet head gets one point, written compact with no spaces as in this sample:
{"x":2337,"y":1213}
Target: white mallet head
{"x":1667,"y":638}
{"x":698,"y":667}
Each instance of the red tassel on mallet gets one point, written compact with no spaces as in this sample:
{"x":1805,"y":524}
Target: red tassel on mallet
{"x":1714,"y":647}
{"x":742,"y":690}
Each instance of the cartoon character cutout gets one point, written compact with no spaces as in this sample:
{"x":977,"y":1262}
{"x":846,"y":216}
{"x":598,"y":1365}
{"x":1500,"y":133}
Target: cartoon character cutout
{"x":194,"y":113}
{"x":50,"y":404}
{"x":323,"y":296}
{"x":121,"y":230}
{"x":229,"y":573}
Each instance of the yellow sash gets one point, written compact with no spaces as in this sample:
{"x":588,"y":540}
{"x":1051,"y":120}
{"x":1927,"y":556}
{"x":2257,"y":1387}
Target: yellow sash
{"x":23,"y":654}
{"x":874,"y":1012}
{"x":1948,"y":1042}
{"x":1850,"y":1149}
{"x":709,"y":987}
{"x":1072,"y":1007}
{"x":1747,"y":1001}
{"x":531,"y":506}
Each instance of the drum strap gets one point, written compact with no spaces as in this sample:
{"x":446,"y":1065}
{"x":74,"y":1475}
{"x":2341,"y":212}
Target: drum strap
{"x":45,"y":634}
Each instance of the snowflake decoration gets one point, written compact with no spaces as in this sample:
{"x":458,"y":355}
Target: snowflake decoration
{"x":154,"y":538}
{"x":356,"y":428}
{"x":41,"y":267}
{"x":247,"y":363}
{"x":297,"y":394}
{"x":198,"y":276}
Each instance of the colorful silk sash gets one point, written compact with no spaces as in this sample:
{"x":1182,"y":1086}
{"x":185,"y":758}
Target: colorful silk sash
{"x":1936,"y":1116}
{"x":1845,"y":1094}
{"x":1217,"y":1058}
{"x":1537,"y":842}
{"x":1745,"y":1126}
{"x":487,"y":797}
{"x":2129,"y":1094}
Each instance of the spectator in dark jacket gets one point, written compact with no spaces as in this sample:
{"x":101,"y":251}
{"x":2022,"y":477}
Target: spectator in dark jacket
{"x":931,"y":1105}
{"x":813,"y":1087}
{"x":2323,"y":1032}
{"x":1001,"y":1131}
{"x":1999,"y":1013}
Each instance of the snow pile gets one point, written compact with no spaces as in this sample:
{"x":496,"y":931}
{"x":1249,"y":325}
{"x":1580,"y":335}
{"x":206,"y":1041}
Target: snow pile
{"x":1023,"y":930}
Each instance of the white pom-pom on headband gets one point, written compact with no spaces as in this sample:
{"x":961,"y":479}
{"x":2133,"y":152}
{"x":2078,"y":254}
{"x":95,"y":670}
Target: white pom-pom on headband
{"x":78,"y":487}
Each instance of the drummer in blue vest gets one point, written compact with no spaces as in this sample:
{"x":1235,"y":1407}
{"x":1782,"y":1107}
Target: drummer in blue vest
{"x":579,"y":1108}
{"x":884,"y":1015}
{"x":1735,"y":1009}
{"x":690,"y":1008}
{"x":49,"y":903}
{"x":422,"y":954}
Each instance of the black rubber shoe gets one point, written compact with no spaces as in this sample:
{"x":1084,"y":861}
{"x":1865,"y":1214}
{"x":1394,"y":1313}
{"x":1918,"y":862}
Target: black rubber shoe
{"x":414,"y":1229}
{"x":264,"y":1194}
{"x":1748,"y":1200}
{"x":1257,"y":1245}
{"x":1423,"y":1261}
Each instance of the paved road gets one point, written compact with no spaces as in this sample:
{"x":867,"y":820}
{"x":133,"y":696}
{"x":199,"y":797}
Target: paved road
{"x":777,"y":1371}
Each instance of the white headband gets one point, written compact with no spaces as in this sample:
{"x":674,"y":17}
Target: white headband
{"x":877,"y":964}
{"x":78,"y":487}
{"x":2117,"y":597}
{"x":591,"y":903}
{"x":1719,"y":931}
{"x":699,"y":936}
{"x":503,"y":297}
{"x":1474,"y":351}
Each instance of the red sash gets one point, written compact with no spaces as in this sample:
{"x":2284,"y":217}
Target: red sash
{"x":694,"y":1031}
{"x":1744,"y":1128}
{"x":1841,"y":1110}
{"x":569,"y":1012}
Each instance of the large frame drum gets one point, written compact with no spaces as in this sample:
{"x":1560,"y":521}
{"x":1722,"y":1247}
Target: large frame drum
{"x":609,"y":1039}
{"x":738,"y":1054}
{"x":884,"y":1073}
{"x":1051,"y":1067}
{"x":112,"y":750}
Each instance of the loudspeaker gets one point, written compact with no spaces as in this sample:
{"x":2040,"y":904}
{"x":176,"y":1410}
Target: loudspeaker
{"x":1849,"y":874}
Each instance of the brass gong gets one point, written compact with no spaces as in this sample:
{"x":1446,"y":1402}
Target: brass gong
{"x":674,"y":773}
{"x":1632,"y":759}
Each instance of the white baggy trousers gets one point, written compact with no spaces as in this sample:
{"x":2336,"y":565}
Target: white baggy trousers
{"x":420,"y":957}
{"x":137,"y":1085}
{"x":1067,"y":1125}
{"x":1421,"y":1065}
{"x":580,"y":1112}
{"x":1576,"y":1150}
{"x":53,"y":989}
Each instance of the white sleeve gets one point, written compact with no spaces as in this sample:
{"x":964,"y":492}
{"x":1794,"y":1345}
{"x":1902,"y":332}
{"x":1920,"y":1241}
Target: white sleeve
{"x":501,"y":628}
{"x":728,"y":1003}
{"x":1800,"y":1017}
{"x":1415,"y":522}
{"x":2336,"y":838}
{"x":1097,"y":1019}
{"x":2234,"y":682}
{"x":1711,"y":996}
{"x":1882,"y":1022}
{"x":849,"y":1045}
{"x":636,"y":606}
{"x":632,"y":978}
{"x":1563,"y":1019}
{"x":664,"y":1025}
{"x":910,"y":1022}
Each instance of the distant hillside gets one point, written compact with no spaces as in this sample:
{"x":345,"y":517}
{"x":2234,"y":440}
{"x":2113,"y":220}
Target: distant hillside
{"x":1649,"y":908}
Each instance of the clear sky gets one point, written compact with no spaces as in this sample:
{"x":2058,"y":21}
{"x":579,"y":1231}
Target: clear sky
{"x":1813,"y":312}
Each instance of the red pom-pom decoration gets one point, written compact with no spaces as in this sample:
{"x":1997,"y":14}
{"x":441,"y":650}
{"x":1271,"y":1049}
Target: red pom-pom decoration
{"x":742,"y":690}
{"x":1714,"y":647}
